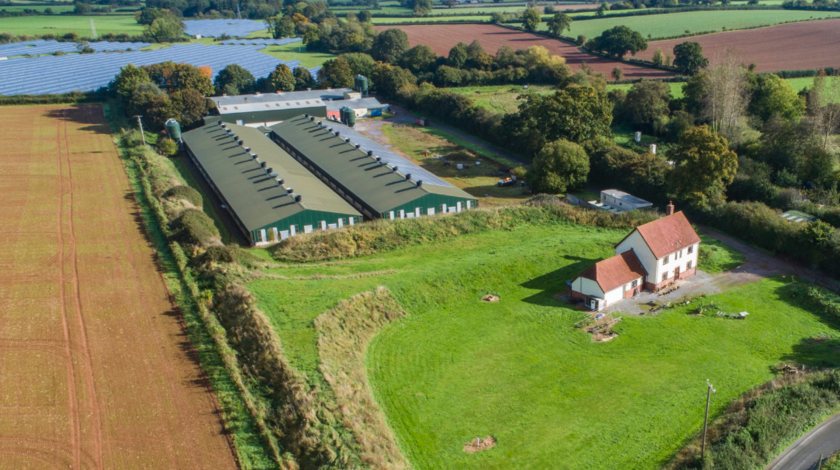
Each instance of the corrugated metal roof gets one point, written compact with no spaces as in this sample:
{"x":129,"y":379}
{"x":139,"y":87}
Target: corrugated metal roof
{"x":253,"y":191}
{"x":359,"y":103}
{"x":370,"y":178}
{"x":627,"y":197}
{"x":257,"y":102}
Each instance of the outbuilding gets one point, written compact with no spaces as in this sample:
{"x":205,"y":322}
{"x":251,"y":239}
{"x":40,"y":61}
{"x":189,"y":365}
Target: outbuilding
{"x":265,"y":109}
{"x":270,"y":195}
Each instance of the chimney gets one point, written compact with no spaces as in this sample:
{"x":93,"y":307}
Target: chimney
{"x":669,"y":209}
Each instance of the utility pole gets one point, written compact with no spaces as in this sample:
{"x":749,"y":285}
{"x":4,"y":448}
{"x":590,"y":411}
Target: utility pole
{"x":140,"y":125}
{"x":709,"y":391}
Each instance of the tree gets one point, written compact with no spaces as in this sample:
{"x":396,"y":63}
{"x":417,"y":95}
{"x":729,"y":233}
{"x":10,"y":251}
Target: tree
{"x":531,"y":18}
{"x":280,"y":26}
{"x":703,"y":167}
{"x":647,"y":103}
{"x":458,"y":55}
{"x":658,"y":58}
{"x":559,"y":166}
{"x":364,"y":16}
{"x":173,"y":77}
{"x":421,"y":7}
{"x":190,"y":106}
{"x":303,"y":78}
{"x":773,"y":96}
{"x":280,"y":79}
{"x":477,"y":58}
{"x":577,"y":113}
{"x":688,"y":58}
{"x":823,"y":114}
{"x":234,"y":80}
{"x":618,"y":41}
{"x":336,"y":73}
{"x":724,"y":97}
{"x":165,"y":28}
{"x":390,"y":79}
{"x":418,"y":59}
{"x":148,"y":15}
{"x":617,"y":73}
{"x":127,"y":81}
{"x":389,"y":45}
{"x":558,"y":23}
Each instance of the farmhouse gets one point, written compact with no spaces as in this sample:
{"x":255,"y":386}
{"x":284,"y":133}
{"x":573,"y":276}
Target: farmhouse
{"x":651,"y":257}
{"x":376,"y":181}
{"x":269,"y":194}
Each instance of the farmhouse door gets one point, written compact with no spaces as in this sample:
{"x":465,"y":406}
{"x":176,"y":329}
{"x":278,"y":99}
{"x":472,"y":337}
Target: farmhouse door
{"x":677,"y":273}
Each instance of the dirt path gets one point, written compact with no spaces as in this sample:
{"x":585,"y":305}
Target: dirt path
{"x":96,"y":369}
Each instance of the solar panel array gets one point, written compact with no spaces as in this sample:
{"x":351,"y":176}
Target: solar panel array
{"x":261,"y":42}
{"x":87,"y":72}
{"x":386,"y":154}
{"x":41,"y":46}
{"x":216,"y":28}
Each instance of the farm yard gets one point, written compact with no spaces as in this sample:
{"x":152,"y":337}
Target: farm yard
{"x":96,"y":373}
{"x":796,"y":46}
{"x":441,"y":38}
{"x":519,"y":370}
{"x":671,"y":24}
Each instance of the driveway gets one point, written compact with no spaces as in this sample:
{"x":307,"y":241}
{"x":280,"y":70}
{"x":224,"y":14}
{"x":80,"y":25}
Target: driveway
{"x":758,"y":264}
{"x":805,"y":454}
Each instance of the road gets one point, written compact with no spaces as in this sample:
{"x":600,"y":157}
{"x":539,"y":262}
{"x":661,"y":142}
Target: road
{"x":805,"y":453}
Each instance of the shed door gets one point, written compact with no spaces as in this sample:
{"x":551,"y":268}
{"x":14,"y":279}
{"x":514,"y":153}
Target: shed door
{"x":430,"y":211}
{"x":284,"y":234}
{"x":307,"y":229}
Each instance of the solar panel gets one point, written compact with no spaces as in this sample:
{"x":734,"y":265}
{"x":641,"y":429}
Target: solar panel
{"x":260,"y":42}
{"x":41,"y":47}
{"x":216,"y":28}
{"x":87,"y":72}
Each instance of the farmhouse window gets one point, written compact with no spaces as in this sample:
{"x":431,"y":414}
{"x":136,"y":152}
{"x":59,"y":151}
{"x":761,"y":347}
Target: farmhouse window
{"x":688,"y":265}
{"x":665,"y":261}
{"x":691,"y":249}
{"x":634,"y":284}
{"x":665,"y":276}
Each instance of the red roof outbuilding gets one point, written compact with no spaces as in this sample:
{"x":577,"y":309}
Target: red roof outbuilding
{"x":616,"y":271}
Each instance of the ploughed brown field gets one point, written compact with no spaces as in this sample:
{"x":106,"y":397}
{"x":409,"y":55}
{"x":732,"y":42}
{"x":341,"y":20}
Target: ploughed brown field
{"x":95,"y":369}
{"x":442,"y":37}
{"x":795,"y":46}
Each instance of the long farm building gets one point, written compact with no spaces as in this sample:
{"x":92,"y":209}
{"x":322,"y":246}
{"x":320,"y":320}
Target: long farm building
{"x":270,"y":195}
{"x":377,"y":182}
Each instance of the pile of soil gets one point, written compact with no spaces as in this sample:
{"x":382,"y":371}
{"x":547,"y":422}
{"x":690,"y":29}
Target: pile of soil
{"x":480,"y":444}
{"x":491,"y":298}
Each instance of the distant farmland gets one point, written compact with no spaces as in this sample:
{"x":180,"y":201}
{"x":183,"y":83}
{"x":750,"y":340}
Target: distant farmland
{"x":58,"y":25}
{"x":795,"y":46}
{"x":668,"y":25}
{"x":442,"y":37}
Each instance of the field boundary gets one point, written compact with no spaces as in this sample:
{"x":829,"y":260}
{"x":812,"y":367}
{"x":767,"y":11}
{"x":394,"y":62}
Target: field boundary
{"x":202,"y":327}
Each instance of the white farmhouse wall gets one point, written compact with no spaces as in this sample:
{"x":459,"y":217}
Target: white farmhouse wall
{"x":679,"y":259}
{"x":636,"y":243}
{"x":614,"y":295}
{"x":587,"y":287}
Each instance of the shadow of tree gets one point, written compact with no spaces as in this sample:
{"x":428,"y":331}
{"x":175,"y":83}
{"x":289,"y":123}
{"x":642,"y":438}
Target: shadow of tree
{"x":818,"y":351}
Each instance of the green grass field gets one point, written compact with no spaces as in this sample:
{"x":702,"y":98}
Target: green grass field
{"x":694,"y":22}
{"x":430,"y":19}
{"x":40,"y":25}
{"x":297,"y":51}
{"x":458,"y":368}
{"x":38,"y":7}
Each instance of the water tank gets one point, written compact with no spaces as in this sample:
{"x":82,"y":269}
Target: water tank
{"x":174,"y":129}
{"x":362,"y":84}
{"x":348,"y":116}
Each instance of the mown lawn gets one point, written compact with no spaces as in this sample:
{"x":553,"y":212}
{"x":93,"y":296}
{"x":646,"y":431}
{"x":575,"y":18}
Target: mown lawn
{"x":458,"y":368}
{"x":53,"y":24}
{"x":297,"y":51}
{"x":694,"y":22}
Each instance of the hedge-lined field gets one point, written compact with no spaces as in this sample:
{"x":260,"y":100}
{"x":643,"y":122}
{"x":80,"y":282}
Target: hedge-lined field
{"x":51,"y":24}
{"x":694,"y":22}
{"x":457,"y":368}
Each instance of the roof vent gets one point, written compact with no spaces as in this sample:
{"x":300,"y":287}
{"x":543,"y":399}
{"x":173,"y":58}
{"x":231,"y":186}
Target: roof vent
{"x":221,"y":123}
{"x":395,"y":168}
{"x":337,"y":133}
{"x":408,"y":176}
{"x":312,"y":118}
{"x":370,"y":153}
{"x":306,"y":115}
{"x":419,"y":183}
{"x":270,"y":170}
{"x":298,"y":198}
{"x":273,"y":173}
{"x":290,"y":190}
{"x":280,"y":181}
{"x":247,"y":149}
{"x":262,"y":164}
{"x":377,"y":158}
{"x":358,"y":146}
{"x":347,"y":140}
{"x":253,"y":155}
{"x":240,"y":141}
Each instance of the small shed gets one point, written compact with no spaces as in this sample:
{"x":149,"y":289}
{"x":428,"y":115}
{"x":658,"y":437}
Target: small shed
{"x":621,"y":201}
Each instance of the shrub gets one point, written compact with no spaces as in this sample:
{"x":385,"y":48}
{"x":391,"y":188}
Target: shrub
{"x":186,"y":193}
{"x":167,"y":147}
{"x":194,"y":227}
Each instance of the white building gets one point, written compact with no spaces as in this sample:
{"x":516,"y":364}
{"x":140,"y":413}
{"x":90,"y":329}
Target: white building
{"x":616,"y":201}
{"x":651,"y":257}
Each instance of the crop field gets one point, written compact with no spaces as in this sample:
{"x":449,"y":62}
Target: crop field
{"x":441,"y":38}
{"x":51,"y":24}
{"x":694,"y":22}
{"x":96,"y":370}
{"x":795,"y":46}
{"x":519,"y":370}
{"x":428,"y":19}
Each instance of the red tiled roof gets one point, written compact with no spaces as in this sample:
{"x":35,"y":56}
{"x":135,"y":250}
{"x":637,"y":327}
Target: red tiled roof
{"x":668,"y":234}
{"x":613,"y":272}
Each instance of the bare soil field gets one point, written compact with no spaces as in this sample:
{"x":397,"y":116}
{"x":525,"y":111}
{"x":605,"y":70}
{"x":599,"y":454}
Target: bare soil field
{"x":441,"y":38}
{"x":795,"y":46}
{"x":95,"y":368}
